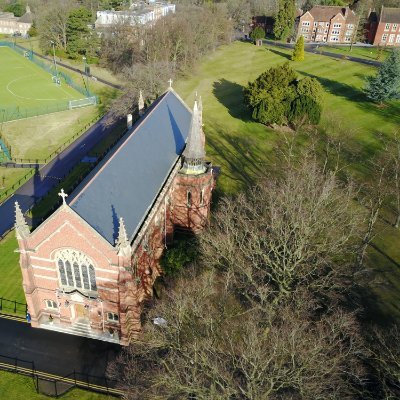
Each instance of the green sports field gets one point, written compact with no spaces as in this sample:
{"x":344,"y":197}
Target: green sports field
{"x":25,"y":85}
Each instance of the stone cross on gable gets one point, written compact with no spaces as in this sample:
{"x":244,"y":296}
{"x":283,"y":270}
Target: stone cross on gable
{"x":170,"y":83}
{"x":63,"y":195}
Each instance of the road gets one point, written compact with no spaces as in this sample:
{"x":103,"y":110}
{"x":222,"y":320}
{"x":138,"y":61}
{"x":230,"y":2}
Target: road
{"x":50,"y":174}
{"x":52,"y":352}
{"x":314,"y":48}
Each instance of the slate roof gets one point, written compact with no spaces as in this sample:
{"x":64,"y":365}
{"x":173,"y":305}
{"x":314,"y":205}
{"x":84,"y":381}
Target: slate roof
{"x":390,"y":15}
{"x":126,"y":183}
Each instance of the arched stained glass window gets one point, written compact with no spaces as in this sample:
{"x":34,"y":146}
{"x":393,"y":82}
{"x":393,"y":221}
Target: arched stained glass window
{"x":76,"y":270}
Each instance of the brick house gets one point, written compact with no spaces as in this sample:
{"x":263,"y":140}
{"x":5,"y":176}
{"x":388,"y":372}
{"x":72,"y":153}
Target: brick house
{"x":89,"y":267}
{"x":331,"y":24}
{"x":384,"y":28}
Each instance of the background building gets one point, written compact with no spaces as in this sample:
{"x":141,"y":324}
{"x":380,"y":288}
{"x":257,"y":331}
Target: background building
{"x":384,"y":27}
{"x":11,"y":25}
{"x":140,"y":13}
{"x":331,"y":24}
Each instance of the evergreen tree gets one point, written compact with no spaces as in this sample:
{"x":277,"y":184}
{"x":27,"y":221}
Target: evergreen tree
{"x":257,"y":33}
{"x":284,"y":21}
{"x":298,"y":52}
{"x":278,"y":97}
{"x":386,"y":84}
{"x":78,"y":32}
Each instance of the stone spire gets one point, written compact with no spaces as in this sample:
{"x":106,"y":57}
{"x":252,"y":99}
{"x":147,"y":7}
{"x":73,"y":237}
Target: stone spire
{"x":122,"y":242}
{"x":194,"y":154}
{"x":141,"y":104}
{"x":21,"y":227}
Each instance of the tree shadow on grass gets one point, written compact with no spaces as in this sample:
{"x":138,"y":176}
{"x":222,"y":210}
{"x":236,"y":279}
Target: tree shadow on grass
{"x":389,"y":111}
{"x":280,"y":53}
{"x":230,"y":95}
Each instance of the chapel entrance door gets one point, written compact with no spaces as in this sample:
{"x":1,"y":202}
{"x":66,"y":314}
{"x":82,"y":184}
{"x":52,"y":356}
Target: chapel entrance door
{"x":81,"y":313}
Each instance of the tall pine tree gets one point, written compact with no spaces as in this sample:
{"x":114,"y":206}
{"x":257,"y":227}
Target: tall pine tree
{"x":298,"y":52}
{"x":386,"y":84}
{"x":284,"y":21}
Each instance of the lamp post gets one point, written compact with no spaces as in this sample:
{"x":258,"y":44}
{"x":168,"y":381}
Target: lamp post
{"x":84,"y":59}
{"x":54,"y":57}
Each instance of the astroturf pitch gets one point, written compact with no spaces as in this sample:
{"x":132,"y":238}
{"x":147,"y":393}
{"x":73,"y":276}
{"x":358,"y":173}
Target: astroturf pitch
{"x":25,"y":85}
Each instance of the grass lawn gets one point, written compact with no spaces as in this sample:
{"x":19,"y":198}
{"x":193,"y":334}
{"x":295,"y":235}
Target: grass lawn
{"x":10,"y":177}
{"x":38,"y":137}
{"x":11,"y":282}
{"x":25,"y":86}
{"x":18,"y":387}
{"x":369,"y":53}
{"x":245,"y":149}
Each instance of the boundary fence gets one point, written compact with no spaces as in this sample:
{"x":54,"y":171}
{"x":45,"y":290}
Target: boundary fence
{"x":57,"y":386}
{"x":15,"y":113}
{"x":13,"y":306}
{"x":37,"y":162}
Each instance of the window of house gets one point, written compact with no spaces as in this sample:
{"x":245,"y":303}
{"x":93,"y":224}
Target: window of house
{"x":112,"y":317}
{"x":384,"y":37}
{"x":350,"y":26}
{"x":327,"y":24}
{"x":387,"y":27}
{"x":391,"y":38}
{"x":189,"y":199}
{"x":398,"y":39}
{"x":394,"y":27}
{"x":334,"y":39}
{"x":51,"y":304}
{"x":349,"y":33}
{"x":337,"y":25}
{"x":335,"y":32}
{"x":306,"y":23}
{"x":76,"y":271}
{"x":315,"y":23}
{"x":304,"y":30}
{"x":347,"y":39}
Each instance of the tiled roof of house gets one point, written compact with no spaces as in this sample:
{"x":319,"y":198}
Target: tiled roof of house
{"x":390,"y":15}
{"x":126,"y":183}
{"x":28,"y":18}
{"x":326,"y":13}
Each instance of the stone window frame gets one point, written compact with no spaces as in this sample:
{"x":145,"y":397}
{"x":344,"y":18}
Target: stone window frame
{"x":112,"y":317}
{"x":305,"y":23}
{"x":337,"y":26}
{"x":387,"y":27}
{"x":51,"y":304}
{"x":73,"y":275}
{"x":394,"y":27}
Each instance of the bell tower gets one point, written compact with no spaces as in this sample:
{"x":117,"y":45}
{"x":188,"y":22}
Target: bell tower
{"x":192,"y":189}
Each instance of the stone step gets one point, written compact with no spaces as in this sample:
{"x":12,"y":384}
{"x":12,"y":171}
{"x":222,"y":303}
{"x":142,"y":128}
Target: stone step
{"x":80,"y":331}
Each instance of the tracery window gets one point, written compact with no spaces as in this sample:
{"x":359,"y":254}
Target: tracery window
{"x":76,"y":270}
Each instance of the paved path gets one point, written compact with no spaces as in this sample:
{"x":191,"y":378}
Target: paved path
{"x":313,"y":48}
{"x":52,"y":352}
{"x":49,"y":176}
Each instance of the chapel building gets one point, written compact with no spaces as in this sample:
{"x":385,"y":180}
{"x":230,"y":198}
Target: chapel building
{"x":89,"y":267}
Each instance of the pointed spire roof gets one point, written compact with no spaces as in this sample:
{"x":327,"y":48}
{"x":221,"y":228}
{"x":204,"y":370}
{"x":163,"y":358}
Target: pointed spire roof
{"x":194,"y":149}
{"x":21,"y":227}
{"x":140,"y":103}
{"x":122,"y":242}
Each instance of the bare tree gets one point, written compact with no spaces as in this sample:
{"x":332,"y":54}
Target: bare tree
{"x":285,"y":233}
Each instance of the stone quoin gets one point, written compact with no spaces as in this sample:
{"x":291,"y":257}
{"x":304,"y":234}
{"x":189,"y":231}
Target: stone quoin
{"x":88,"y":268}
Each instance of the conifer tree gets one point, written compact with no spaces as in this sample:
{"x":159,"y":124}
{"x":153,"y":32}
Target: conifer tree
{"x":298,"y":52}
{"x":284,"y":21}
{"x":386,"y":84}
